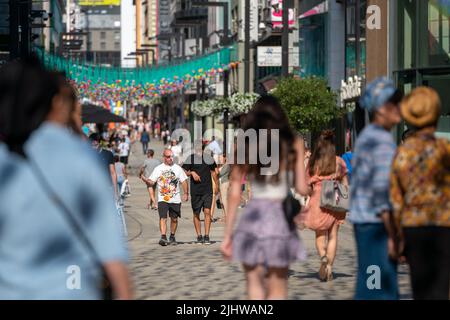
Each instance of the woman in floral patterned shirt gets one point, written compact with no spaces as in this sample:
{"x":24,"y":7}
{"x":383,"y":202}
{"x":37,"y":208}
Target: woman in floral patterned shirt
{"x":420,"y":194}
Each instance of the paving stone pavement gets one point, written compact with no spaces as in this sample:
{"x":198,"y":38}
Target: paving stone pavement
{"x":197,"y":272}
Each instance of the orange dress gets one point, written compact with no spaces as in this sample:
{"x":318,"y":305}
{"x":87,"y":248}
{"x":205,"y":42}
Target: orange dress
{"x":316,"y":218}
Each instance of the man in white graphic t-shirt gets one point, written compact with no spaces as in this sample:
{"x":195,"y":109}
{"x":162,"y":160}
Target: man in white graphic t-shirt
{"x":168,"y":177}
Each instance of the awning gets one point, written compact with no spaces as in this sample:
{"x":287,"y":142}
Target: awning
{"x":319,"y":9}
{"x":95,"y":114}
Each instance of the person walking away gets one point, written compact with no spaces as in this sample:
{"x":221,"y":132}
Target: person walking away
{"x":40,"y":245}
{"x":347,"y":157}
{"x":215,"y":149}
{"x":324,"y":165}
{"x":224,"y":182}
{"x":121,"y":175}
{"x":147,"y":168}
{"x":107,"y":159}
{"x":124,"y":150}
{"x":165,"y":135}
{"x":147,"y":125}
{"x":370,"y":206}
{"x":201,"y":168}
{"x":168,"y":177}
{"x":145,"y":139}
{"x":140,"y":128}
{"x":263,"y":241}
{"x":176,"y":149}
{"x":157,"y":130}
{"x":420,"y":193}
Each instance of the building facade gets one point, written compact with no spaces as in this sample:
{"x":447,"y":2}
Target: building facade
{"x":103,"y":40}
{"x":421,"y":44}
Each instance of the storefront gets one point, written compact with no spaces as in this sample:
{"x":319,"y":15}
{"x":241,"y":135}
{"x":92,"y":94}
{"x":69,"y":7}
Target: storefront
{"x":423,"y":47}
{"x":313,"y":23}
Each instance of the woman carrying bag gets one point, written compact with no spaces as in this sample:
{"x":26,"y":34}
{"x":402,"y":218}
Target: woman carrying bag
{"x":325,"y":166}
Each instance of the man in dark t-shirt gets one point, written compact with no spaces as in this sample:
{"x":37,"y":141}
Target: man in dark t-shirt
{"x":107,"y":159}
{"x":201,"y":168}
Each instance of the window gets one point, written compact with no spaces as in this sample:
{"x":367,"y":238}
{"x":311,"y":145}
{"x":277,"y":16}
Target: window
{"x":103,"y":45}
{"x":116,"y":35}
{"x":438,"y":29}
{"x":103,"y":35}
{"x":312,"y":45}
{"x":355,"y":38}
{"x":424,"y":34}
{"x":116,"y":45}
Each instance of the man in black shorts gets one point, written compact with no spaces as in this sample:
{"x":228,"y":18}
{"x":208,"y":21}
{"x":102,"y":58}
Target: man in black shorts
{"x":168,"y":177}
{"x":201,"y":167}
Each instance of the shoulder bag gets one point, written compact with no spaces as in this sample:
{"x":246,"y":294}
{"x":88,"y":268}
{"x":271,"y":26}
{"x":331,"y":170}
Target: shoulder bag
{"x":104,"y":286}
{"x":334,"y":196}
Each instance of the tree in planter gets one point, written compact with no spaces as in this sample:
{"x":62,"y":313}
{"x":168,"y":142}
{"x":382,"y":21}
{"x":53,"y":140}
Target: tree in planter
{"x":309,"y":104}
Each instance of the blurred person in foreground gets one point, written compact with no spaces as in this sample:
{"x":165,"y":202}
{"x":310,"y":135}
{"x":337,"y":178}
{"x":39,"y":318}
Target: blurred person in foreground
{"x":264,"y":241}
{"x":42,"y":255}
{"x":420,"y":193}
{"x":370,"y":206}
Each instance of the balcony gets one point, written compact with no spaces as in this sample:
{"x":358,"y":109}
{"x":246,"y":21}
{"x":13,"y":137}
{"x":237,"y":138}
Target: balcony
{"x":191,"y":14}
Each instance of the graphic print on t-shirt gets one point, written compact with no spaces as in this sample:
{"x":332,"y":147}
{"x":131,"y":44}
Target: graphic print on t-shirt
{"x":167,"y":183}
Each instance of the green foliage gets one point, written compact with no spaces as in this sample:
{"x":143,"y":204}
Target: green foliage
{"x":309,"y":104}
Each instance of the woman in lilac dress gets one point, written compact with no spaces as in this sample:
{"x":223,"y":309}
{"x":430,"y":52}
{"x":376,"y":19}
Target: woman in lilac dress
{"x":263,"y":241}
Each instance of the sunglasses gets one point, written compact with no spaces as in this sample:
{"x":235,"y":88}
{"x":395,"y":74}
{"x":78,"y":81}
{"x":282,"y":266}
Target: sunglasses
{"x":168,"y":156}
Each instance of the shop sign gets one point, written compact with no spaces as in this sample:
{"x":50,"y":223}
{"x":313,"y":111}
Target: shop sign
{"x":351,"y":89}
{"x":99,"y":3}
{"x":272,"y":57}
{"x":269,"y":56}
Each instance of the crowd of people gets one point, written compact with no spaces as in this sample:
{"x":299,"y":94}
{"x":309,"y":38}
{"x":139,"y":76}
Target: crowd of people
{"x":396,"y":197}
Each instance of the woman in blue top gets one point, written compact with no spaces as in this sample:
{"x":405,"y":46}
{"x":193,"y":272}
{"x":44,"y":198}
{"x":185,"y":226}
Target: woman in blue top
{"x":42,"y":256}
{"x":370,"y":206}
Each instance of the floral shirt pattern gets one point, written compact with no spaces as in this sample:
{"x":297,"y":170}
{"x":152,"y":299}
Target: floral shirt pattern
{"x":420,"y":181}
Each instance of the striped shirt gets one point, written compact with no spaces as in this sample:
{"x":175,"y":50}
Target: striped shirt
{"x":372,"y":160}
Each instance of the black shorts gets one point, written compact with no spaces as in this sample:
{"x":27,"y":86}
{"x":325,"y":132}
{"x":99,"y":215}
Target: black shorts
{"x":174,"y":210}
{"x":200,"y":202}
{"x":124,"y":160}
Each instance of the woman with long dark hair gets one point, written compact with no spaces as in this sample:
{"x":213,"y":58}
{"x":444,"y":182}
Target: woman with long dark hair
{"x":263,"y":241}
{"x":60,"y":235}
{"x":324,"y":165}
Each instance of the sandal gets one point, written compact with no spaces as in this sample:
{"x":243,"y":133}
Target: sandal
{"x":323,"y":268}
{"x":329,"y":273}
